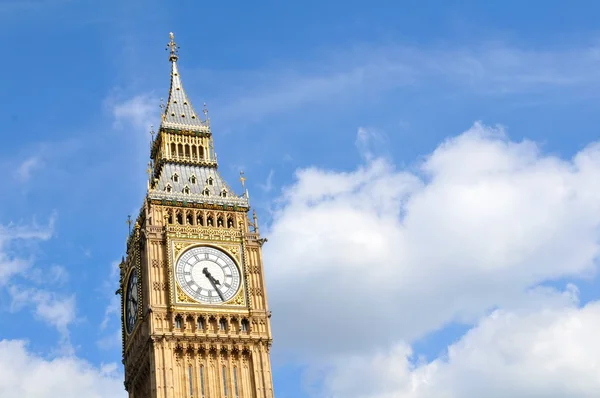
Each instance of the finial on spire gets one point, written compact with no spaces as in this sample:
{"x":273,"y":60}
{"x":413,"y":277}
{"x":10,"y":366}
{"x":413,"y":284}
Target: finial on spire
{"x":163,"y":109}
{"x":173,"y":48}
{"x":243,"y":179}
{"x":206,"y":118}
{"x":255,"y":223}
{"x":129,"y":222}
{"x":152,"y":132}
{"x":149,"y":170}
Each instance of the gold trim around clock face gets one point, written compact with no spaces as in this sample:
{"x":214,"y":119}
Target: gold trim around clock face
{"x":179,"y":248}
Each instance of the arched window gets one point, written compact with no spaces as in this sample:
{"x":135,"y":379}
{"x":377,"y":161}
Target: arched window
{"x":201,"y":381}
{"x":168,"y":188}
{"x":235,"y":386}
{"x":173,"y":149}
{"x":209,"y":181}
{"x":191,"y":380}
{"x":201,"y":151}
{"x":175,"y":177}
{"x":187,"y":151}
{"x":179,"y":218}
{"x":245,"y":325}
{"x":229,"y":222}
{"x":178,"y":322}
{"x":222,"y":324}
{"x":200,"y":324}
{"x":224,"y":381}
{"x":189,"y":218}
{"x":206,"y":192}
{"x":193,"y":179}
{"x":186,"y":190}
{"x":220,"y":222}
{"x":209,"y":221}
{"x":224,"y":193}
{"x":199,"y":219}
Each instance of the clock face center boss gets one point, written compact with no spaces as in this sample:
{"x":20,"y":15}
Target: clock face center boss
{"x":207,"y":274}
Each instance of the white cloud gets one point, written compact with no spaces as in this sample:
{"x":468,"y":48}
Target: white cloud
{"x":137,"y":111}
{"x":11,"y":262}
{"x":112,"y":310}
{"x":368,"y":141}
{"x":366,"y":258}
{"x":25,"y":169}
{"x":348,"y":77}
{"x":268,"y":185}
{"x":56,"y":310}
{"x":550,"y":351}
{"x":25,"y":374}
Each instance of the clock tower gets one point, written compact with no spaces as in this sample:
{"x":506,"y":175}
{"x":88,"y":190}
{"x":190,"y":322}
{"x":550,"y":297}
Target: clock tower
{"x":195,"y":317}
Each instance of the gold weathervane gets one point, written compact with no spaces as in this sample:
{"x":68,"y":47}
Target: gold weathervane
{"x":242,"y":179}
{"x":173,"y":48}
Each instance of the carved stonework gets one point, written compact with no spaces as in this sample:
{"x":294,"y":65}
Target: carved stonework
{"x":175,"y":334}
{"x":238,"y":299}
{"x":182,"y":297}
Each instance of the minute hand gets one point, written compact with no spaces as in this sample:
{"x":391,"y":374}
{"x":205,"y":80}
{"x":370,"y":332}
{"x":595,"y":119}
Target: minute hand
{"x":213,"y":282}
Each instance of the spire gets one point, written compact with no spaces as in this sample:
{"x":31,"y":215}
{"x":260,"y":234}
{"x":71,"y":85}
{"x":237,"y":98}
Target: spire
{"x":179,"y":113}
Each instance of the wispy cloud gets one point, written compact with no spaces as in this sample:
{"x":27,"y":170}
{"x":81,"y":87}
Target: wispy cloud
{"x":56,"y":310}
{"x":487,"y":69}
{"x":24,"y":171}
{"x":111,"y":312}
{"x":137,"y":111}
{"x":268,"y":185}
{"x":12,"y":263}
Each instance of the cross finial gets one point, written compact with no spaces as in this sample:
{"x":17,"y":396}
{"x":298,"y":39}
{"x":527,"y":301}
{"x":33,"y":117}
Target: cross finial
{"x":206,"y":118}
{"x":129,"y":222}
{"x":242,"y":179}
{"x":173,"y":48}
{"x":162,"y":108}
{"x":152,"y":132}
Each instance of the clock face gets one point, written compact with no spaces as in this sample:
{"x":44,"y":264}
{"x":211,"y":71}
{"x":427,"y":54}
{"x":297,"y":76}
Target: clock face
{"x":131,"y":301}
{"x":208,"y":275}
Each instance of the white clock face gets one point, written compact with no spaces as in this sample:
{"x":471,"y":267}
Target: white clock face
{"x":207,"y":275}
{"x":131,"y":301}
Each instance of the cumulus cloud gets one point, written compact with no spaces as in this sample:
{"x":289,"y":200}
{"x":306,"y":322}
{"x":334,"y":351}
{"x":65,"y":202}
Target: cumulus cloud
{"x":377,"y":255}
{"x":25,"y":374}
{"x":550,"y":351}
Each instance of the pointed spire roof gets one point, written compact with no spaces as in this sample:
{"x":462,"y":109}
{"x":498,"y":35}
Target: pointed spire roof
{"x":179,"y":112}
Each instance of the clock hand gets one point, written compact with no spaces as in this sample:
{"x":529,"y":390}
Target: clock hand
{"x":213,"y":282}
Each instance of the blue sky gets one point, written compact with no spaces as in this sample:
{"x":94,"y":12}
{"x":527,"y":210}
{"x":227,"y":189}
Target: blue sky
{"x":442,"y":149}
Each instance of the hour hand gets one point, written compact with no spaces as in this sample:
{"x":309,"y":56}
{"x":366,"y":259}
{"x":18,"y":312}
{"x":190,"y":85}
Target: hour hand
{"x":210,"y":277}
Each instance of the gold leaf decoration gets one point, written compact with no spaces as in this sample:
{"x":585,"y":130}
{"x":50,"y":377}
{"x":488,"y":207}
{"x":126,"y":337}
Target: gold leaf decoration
{"x":238,"y":299}
{"x":182,"y":297}
{"x":178,"y":247}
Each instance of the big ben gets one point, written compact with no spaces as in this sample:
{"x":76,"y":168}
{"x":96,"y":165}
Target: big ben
{"x":195,"y":317}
